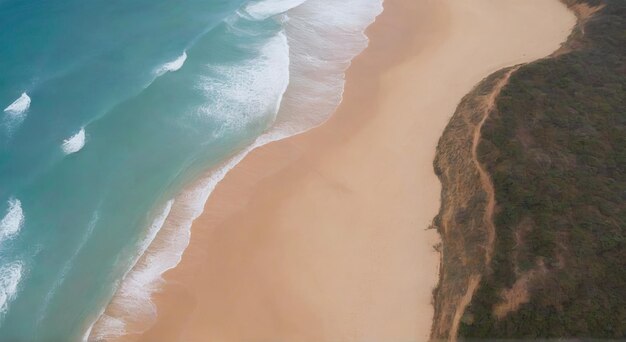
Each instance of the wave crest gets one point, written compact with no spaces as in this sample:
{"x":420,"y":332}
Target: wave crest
{"x":315,"y":47}
{"x":19,"y":106}
{"x":240,"y":94}
{"x":75,"y":143}
{"x":12,"y":221}
{"x":132,"y":302}
{"x":173,"y":65}
{"x":16,"y":113}
{"x":261,"y":10}
{"x":10,"y":276}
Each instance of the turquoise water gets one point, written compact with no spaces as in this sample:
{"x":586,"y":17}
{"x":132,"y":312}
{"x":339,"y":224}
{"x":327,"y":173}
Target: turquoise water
{"x":121,"y":116}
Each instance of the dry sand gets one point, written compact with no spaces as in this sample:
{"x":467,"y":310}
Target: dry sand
{"x":322,"y":237}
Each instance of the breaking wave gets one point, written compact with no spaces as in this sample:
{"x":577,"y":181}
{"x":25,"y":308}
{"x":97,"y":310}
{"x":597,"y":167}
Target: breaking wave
{"x":12,"y":221}
{"x":319,"y":39}
{"x":16,"y":112}
{"x":10,"y":276}
{"x":19,"y":106}
{"x":75,"y":143}
{"x":132,"y":302}
{"x":261,"y":10}
{"x":239,"y":94}
{"x":173,"y":65}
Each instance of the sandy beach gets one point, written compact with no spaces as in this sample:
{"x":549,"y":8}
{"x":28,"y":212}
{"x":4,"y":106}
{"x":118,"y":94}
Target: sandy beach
{"x":323,"y":236}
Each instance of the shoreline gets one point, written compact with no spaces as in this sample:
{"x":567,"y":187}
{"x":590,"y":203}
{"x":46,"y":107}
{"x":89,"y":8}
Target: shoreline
{"x":300,"y":109}
{"x":252,"y":242}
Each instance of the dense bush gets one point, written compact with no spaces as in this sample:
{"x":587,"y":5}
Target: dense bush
{"x":556,"y":149}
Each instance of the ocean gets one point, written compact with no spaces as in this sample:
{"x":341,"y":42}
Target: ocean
{"x":118,"y":120}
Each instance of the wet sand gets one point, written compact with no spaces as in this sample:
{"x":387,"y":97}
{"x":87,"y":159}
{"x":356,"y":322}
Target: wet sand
{"x":323,"y":236}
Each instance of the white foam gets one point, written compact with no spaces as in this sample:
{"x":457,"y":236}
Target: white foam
{"x":317,"y":44}
{"x":131,"y":309}
{"x":264,"y":9}
{"x":10,"y":276}
{"x":132,"y":302}
{"x":16,"y":113}
{"x":173,"y":65}
{"x":107,"y":328}
{"x":75,"y":143}
{"x":19,"y":106}
{"x":240,"y":94}
{"x":12,"y":221}
{"x":324,"y":37}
